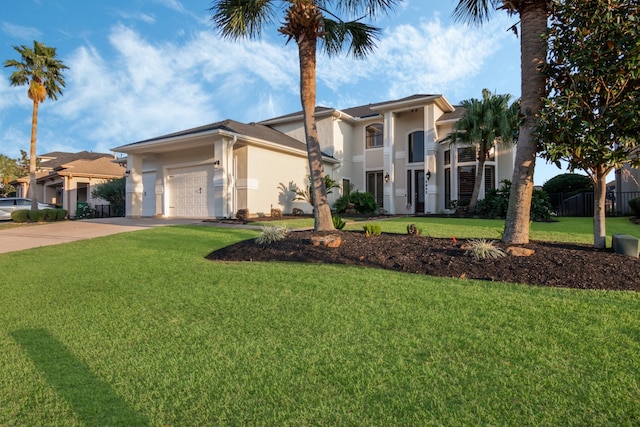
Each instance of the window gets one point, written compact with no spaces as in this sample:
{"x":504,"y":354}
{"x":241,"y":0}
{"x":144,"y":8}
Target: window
{"x":466,"y":180}
{"x":375,"y":137}
{"x":489,"y":178}
{"x":447,"y":157}
{"x":346,"y":186}
{"x":416,"y":147}
{"x":375,"y":186}
{"x":466,"y":154}
{"x":447,"y":188}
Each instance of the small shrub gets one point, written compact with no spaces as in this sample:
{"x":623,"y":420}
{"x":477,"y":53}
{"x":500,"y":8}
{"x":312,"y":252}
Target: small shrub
{"x":61,"y":214}
{"x":242,"y":214}
{"x":338,"y":222}
{"x":363,"y":203}
{"x":496,"y":203}
{"x":271,"y":234}
{"x":482,"y":249}
{"x":37,"y":215}
{"x":372,"y":230}
{"x":50,"y":215}
{"x":21,"y":215}
{"x":634,"y":204}
{"x":276,"y":213}
{"x":412,"y":230}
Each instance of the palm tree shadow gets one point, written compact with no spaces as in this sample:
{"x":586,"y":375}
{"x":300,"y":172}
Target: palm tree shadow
{"x":92,"y":399}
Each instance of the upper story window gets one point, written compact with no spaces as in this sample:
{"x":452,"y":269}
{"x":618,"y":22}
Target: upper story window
{"x":375,"y":137}
{"x":416,"y":147}
{"x":466,"y":154}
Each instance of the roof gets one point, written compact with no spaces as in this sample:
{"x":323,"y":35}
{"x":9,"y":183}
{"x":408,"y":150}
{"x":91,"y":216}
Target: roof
{"x":56,"y":158}
{"x":454,"y":115}
{"x":101,"y":167}
{"x":358,"y":112}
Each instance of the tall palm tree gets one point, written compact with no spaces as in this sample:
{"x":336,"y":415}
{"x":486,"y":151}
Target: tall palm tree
{"x":486,"y":121}
{"x":533,"y":24}
{"x":307,"y":22}
{"x":40,"y":69}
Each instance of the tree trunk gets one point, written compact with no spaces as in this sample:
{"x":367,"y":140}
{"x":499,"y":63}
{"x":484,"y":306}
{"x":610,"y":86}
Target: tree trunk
{"x":33,"y":157}
{"x":599,"y":203}
{"x":322,"y":211}
{"x":476,"y":185}
{"x":533,"y":23}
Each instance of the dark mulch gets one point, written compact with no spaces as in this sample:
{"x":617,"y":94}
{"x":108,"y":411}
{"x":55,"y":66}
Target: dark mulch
{"x":553,"y":264}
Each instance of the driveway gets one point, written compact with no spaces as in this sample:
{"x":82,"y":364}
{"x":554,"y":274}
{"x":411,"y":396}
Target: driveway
{"x":32,"y":236}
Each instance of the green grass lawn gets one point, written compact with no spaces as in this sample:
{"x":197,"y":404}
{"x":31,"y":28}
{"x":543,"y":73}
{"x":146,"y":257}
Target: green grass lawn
{"x":140,"y":329}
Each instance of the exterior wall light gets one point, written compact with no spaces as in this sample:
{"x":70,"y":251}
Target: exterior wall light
{"x":386,"y":178}
{"x":428,"y":175}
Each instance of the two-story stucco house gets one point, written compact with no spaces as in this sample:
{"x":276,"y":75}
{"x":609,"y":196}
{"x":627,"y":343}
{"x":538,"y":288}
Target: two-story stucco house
{"x":395,"y":150}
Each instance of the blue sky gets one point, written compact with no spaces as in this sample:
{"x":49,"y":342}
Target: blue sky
{"x":143,"y":68}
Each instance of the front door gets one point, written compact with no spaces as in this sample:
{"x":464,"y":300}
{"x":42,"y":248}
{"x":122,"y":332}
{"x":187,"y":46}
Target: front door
{"x":419,"y":190}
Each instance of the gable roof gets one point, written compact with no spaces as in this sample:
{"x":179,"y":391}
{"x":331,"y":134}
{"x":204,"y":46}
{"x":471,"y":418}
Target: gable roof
{"x":251,"y":131}
{"x":57,"y":158}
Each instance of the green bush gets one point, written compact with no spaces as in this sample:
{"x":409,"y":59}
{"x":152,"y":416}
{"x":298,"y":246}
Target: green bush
{"x":482,"y":249}
{"x":372,"y":230}
{"x":634,"y":204}
{"x":37,"y":215}
{"x":338,"y":222}
{"x":61,"y":214}
{"x":496,"y":203}
{"x":363,"y":203}
{"x":21,"y":215}
{"x":50,"y":214}
{"x":413,"y":230}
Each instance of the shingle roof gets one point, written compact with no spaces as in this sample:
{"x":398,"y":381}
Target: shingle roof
{"x":453,"y":115}
{"x":56,"y":158}
{"x":251,"y":130}
{"x":98,"y":167}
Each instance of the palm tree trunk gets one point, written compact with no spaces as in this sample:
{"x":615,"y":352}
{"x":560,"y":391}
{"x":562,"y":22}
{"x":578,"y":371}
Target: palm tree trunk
{"x":33,"y":158}
{"x":599,"y":200}
{"x":322,"y":211}
{"x":478,"y":182}
{"x":533,"y":18}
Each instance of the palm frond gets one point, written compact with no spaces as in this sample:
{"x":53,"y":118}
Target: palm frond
{"x":360,"y":37}
{"x":359,"y":9}
{"x":242,"y":18}
{"x":475,"y":12}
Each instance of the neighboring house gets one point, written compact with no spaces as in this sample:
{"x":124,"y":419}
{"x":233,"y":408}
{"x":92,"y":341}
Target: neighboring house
{"x":66,"y":179}
{"x":394,"y":150}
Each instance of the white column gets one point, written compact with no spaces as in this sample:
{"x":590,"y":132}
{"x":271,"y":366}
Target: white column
{"x":134,"y":186}
{"x":430,"y":160}
{"x":389,"y":162}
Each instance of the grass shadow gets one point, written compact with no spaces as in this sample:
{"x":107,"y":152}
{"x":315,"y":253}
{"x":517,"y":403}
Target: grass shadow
{"x":93,"y":400}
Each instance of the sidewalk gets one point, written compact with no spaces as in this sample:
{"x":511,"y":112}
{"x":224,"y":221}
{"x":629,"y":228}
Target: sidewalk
{"x":33,"y":236}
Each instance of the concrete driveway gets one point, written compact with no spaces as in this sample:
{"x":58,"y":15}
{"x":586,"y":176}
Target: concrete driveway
{"x":32,"y":236}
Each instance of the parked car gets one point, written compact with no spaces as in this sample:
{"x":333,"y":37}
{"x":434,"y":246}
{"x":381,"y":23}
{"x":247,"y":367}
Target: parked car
{"x":10,"y":204}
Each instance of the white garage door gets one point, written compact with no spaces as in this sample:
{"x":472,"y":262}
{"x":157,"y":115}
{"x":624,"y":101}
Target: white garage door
{"x":191,"y":192}
{"x":148,"y":194}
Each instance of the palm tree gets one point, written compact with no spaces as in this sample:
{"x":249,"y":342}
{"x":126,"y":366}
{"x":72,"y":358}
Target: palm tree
{"x":486,"y":121}
{"x":43,"y":72}
{"x":307,"y":22}
{"x":533,"y":24}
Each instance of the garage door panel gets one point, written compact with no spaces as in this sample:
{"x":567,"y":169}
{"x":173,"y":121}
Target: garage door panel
{"x":189,"y":188}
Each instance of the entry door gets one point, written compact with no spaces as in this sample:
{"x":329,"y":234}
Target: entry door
{"x":415,"y":190}
{"x":148,"y":194}
{"x":420,"y":190}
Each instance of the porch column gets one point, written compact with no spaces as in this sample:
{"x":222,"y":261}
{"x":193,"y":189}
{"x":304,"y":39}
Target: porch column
{"x":389,"y":163}
{"x":430,"y":161}
{"x":134,"y":188}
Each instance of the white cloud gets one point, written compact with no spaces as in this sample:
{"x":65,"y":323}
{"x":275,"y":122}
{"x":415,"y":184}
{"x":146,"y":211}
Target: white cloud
{"x":20,"y":32}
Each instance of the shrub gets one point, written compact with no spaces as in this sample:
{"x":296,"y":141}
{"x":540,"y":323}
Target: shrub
{"x":363,"y":203}
{"x":481,"y":249}
{"x":412,"y":230}
{"x":372,"y":230}
{"x":338,"y":222}
{"x":37,"y":215}
{"x":568,"y":183}
{"x":496,"y":203}
{"x":276,"y":213}
{"x":50,"y":214}
{"x":634,"y":204}
{"x":242,"y":214}
{"x":271,"y":234}
{"x":61,"y":214}
{"x":21,"y":215}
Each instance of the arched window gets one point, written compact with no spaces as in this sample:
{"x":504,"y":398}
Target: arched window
{"x":416,"y":147}
{"x":375,"y":138}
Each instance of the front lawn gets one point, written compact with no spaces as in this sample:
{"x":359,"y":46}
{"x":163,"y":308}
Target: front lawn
{"x":140,"y":329}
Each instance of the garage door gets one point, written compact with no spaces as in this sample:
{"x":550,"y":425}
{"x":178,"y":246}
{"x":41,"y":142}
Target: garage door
{"x":191,"y":192}
{"x":148,"y":194}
